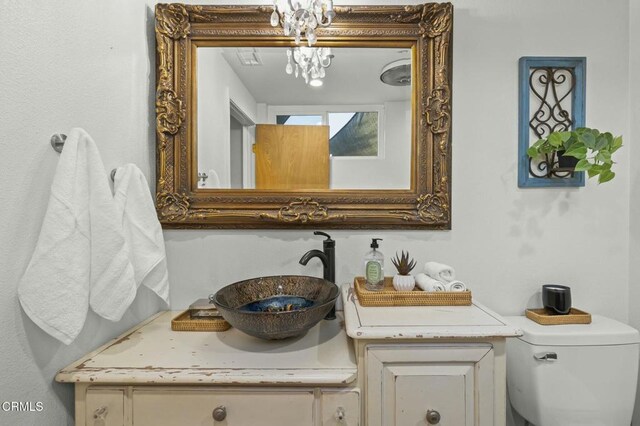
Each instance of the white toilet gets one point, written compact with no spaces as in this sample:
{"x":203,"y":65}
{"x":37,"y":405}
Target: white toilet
{"x":573,"y":375}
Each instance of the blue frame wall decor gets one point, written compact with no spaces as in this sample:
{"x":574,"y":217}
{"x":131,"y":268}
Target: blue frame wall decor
{"x":547,"y":85}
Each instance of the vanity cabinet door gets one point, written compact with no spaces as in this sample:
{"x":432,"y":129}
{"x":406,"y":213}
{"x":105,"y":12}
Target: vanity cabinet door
{"x":194,"y":407}
{"x":104,"y":407}
{"x":447,"y":385}
{"x":340,"y":408}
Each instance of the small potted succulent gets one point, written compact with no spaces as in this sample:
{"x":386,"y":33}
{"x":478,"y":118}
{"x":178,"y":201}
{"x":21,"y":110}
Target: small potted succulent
{"x":403,"y":281}
{"x":578,"y":150}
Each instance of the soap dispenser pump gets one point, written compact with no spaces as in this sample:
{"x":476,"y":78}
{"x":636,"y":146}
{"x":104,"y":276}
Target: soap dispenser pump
{"x":374,"y":267}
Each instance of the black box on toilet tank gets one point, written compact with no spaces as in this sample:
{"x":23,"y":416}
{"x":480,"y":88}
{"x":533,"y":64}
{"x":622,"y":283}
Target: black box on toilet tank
{"x":556,"y":298}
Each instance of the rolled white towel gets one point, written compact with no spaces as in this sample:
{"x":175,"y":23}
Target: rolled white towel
{"x":440,"y":271}
{"x":427,"y":283}
{"x":456,"y":286}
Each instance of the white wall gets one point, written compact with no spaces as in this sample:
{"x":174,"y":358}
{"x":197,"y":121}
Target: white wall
{"x":63,"y":64}
{"x":235,"y":154}
{"x":634,"y":150}
{"x":393,"y":169}
{"x":90,"y":63}
{"x":218,"y":84}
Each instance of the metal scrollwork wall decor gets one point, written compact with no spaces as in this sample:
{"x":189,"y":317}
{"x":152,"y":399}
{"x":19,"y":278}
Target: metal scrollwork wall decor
{"x":552,"y":99}
{"x":426,"y":30}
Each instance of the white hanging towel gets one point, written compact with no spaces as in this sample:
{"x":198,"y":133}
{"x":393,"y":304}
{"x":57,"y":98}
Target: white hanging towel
{"x":142,"y":230}
{"x":80,"y":258}
{"x":214,"y":180}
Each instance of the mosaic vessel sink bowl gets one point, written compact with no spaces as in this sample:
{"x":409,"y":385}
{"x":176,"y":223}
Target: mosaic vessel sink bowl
{"x":276,"y":307}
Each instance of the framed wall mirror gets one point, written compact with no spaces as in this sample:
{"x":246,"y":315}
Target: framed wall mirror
{"x":256,"y":131}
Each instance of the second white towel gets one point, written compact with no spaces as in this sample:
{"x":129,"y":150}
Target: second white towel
{"x":440,"y":271}
{"x":456,"y":286}
{"x":142,"y":230}
{"x":426,"y":283}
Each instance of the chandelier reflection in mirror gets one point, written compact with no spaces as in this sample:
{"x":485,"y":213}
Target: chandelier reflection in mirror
{"x":310,"y":62}
{"x":302,"y":17}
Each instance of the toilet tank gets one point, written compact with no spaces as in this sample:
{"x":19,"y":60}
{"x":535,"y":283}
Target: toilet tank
{"x":592,"y":381}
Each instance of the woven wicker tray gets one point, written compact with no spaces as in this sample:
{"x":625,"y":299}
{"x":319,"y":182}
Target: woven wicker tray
{"x":388,"y":296}
{"x":183,"y":322}
{"x":544,"y":317}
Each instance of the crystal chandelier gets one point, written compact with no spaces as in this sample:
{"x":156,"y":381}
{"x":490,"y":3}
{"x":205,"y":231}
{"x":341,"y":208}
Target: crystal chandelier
{"x":310,"y":62}
{"x":302,"y":17}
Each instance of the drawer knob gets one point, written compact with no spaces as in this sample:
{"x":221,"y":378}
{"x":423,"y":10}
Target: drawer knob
{"x":220,"y":413}
{"x":100,"y":416}
{"x":340,"y":415}
{"x":433,"y":417}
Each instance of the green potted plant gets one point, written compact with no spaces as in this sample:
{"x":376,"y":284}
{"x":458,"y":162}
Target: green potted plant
{"x":582,"y":149}
{"x":404,"y":281}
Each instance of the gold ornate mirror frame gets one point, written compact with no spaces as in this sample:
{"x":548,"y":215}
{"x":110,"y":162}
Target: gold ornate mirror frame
{"x":426,"y":205}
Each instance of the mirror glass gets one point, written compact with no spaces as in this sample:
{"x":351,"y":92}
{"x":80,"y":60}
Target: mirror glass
{"x":280,"y":118}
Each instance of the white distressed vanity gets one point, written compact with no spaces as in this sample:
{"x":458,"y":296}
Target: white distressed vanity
{"x":371,"y":366}
{"x":154,"y":376}
{"x":430,"y":364}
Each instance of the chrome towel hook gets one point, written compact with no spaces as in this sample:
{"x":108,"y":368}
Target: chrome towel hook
{"x":57,"y":141}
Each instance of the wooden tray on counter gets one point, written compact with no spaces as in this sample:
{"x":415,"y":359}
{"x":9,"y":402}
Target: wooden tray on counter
{"x":545,"y":317}
{"x":388,"y":296}
{"x":184,"y":322}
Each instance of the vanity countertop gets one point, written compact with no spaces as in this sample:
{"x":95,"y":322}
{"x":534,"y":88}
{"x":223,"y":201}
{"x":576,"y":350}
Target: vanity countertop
{"x":422,"y":322}
{"x":152,"y":353}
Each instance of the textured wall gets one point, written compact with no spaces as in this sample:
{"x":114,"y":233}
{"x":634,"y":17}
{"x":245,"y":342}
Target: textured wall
{"x":634,"y":175}
{"x":90,"y":64}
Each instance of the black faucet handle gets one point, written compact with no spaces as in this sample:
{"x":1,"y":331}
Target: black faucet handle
{"x":328,"y":242}
{"x":324,"y":234}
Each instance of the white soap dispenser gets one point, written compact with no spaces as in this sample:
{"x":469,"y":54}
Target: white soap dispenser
{"x":374,"y":267}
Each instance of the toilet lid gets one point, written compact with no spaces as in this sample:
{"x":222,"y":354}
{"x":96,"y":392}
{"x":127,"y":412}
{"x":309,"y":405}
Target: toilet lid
{"x":602,"y":331}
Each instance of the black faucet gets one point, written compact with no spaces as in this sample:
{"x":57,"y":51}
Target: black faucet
{"x":328,"y":258}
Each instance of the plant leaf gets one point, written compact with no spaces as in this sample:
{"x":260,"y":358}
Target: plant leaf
{"x":616,"y":144}
{"x":609,"y":137}
{"x":603,"y":156}
{"x":588,"y":139}
{"x":583,"y":165}
{"x":565,"y":136}
{"x":555,"y":139}
{"x":547,"y":149}
{"x":578,"y":152}
{"x":593,"y":172}
{"x":601,"y":142}
{"x":606,"y":176}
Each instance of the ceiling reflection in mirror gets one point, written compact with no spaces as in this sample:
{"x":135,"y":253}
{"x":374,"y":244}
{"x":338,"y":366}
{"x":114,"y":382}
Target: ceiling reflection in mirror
{"x":279,"y":118}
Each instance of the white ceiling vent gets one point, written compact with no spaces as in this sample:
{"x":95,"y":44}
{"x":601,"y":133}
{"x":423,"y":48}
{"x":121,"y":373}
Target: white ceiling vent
{"x":397,"y":73}
{"x":249,"y":57}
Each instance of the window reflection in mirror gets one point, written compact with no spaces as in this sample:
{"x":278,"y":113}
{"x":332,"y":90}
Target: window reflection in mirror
{"x":351,"y":134}
{"x":254,"y":120}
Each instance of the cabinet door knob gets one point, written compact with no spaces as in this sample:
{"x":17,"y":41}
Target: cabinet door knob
{"x":220,"y":413}
{"x":100,"y":416}
{"x":433,"y":417}
{"x":340,"y":414}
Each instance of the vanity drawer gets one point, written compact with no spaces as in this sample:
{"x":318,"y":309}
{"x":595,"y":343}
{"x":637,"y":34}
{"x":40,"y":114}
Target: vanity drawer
{"x":194,"y":407}
{"x":340,"y":408}
{"x":104,"y":407}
